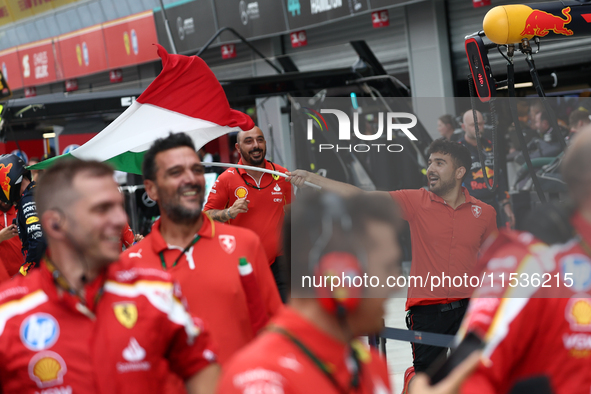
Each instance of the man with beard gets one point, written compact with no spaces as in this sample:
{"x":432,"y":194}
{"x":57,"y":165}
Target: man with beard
{"x":82,"y":322}
{"x":201,"y":254}
{"x":253,"y":199}
{"x":447,"y":228}
{"x":11,"y":257}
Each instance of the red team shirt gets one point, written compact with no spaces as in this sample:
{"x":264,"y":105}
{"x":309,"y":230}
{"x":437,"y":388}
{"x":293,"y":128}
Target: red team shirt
{"x":126,"y":342}
{"x":527,"y":335}
{"x":443,"y":240}
{"x":274,"y":364}
{"x":266,"y":208}
{"x":210,"y":278}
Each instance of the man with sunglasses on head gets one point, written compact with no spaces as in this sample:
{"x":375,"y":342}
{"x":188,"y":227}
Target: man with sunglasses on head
{"x":253,"y":199}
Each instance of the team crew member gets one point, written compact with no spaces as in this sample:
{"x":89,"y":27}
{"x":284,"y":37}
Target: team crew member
{"x":311,"y":345}
{"x":17,"y":189}
{"x":81,"y":324}
{"x":253,"y":199}
{"x":11,"y":257}
{"x":546,"y":331}
{"x":447,"y":228}
{"x":474,"y":181}
{"x":201,"y":254}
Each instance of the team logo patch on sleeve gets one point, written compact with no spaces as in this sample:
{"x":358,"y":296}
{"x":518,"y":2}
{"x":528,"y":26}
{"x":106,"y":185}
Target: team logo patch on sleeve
{"x":227,"y":242}
{"x":476,"y":211}
{"x":47,"y":369}
{"x":39,"y":331}
{"x":32,"y":219}
{"x":241,"y":192}
{"x":126,"y":313}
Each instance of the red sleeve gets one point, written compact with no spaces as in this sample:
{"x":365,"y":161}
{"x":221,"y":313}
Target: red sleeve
{"x":218,"y":197}
{"x":404,"y":198}
{"x":3,"y":274}
{"x":491,"y":226}
{"x":127,"y":236}
{"x":287,"y":194}
{"x":505,"y":323}
{"x":191,"y":348}
{"x":508,"y":342}
{"x":264,"y":276}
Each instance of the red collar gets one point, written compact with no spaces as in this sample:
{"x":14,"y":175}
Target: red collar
{"x":207,"y":230}
{"x":469,"y":198}
{"x":242,"y":171}
{"x":324,"y":346}
{"x":55,"y":285}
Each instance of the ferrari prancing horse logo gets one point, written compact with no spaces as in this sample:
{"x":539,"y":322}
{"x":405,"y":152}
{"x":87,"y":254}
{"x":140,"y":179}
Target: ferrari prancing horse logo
{"x":476,"y":210}
{"x":126,"y":313}
{"x":227,"y":242}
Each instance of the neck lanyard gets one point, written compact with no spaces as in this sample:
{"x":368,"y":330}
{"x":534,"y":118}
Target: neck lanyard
{"x":256,"y":187}
{"x":326,"y":370}
{"x":193,"y":242}
{"x":62,"y":283}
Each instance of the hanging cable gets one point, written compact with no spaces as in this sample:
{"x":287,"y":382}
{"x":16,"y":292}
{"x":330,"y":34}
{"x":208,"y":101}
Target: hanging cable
{"x":520,"y":137}
{"x":526,"y":49}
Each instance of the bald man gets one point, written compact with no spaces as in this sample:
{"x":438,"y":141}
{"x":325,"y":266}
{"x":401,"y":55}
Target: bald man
{"x":474,"y":181}
{"x":253,"y":199}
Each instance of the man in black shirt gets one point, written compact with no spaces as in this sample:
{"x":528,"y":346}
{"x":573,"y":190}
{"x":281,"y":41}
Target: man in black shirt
{"x":474,"y":180}
{"x":17,"y":189}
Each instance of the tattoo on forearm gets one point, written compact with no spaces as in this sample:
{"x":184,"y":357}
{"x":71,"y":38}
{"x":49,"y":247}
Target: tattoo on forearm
{"x":219,"y":215}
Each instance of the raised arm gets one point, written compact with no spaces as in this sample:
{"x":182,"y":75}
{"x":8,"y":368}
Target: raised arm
{"x":298,"y":177}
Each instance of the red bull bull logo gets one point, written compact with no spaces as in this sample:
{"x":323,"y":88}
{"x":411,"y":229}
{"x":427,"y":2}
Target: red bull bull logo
{"x":478,"y":174}
{"x":5,"y":180}
{"x":540,"y":23}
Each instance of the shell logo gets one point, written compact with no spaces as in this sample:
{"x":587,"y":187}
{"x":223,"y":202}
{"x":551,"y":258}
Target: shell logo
{"x":47,"y":369}
{"x":126,"y":43}
{"x":241,"y":192}
{"x":79,"y":54}
{"x":582,"y":312}
{"x":578,"y":314}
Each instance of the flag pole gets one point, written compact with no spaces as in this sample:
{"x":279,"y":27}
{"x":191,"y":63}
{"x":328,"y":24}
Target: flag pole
{"x":205,"y":164}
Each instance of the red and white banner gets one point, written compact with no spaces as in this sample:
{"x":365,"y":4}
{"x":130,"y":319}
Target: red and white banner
{"x":30,"y":91}
{"x":298,"y":39}
{"x":130,"y":40}
{"x":9,"y":64}
{"x":480,"y":3}
{"x":37,"y":62}
{"x":380,"y":19}
{"x":71,"y":85}
{"x":83,"y":52}
{"x":228,"y":51}
{"x":116,"y":76}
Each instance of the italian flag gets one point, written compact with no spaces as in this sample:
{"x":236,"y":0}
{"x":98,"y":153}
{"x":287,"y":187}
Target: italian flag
{"x":184,"y":97}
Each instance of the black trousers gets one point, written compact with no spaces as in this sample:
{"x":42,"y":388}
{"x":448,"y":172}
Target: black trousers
{"x":280,"y":275}
{"x":439,"y":319}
